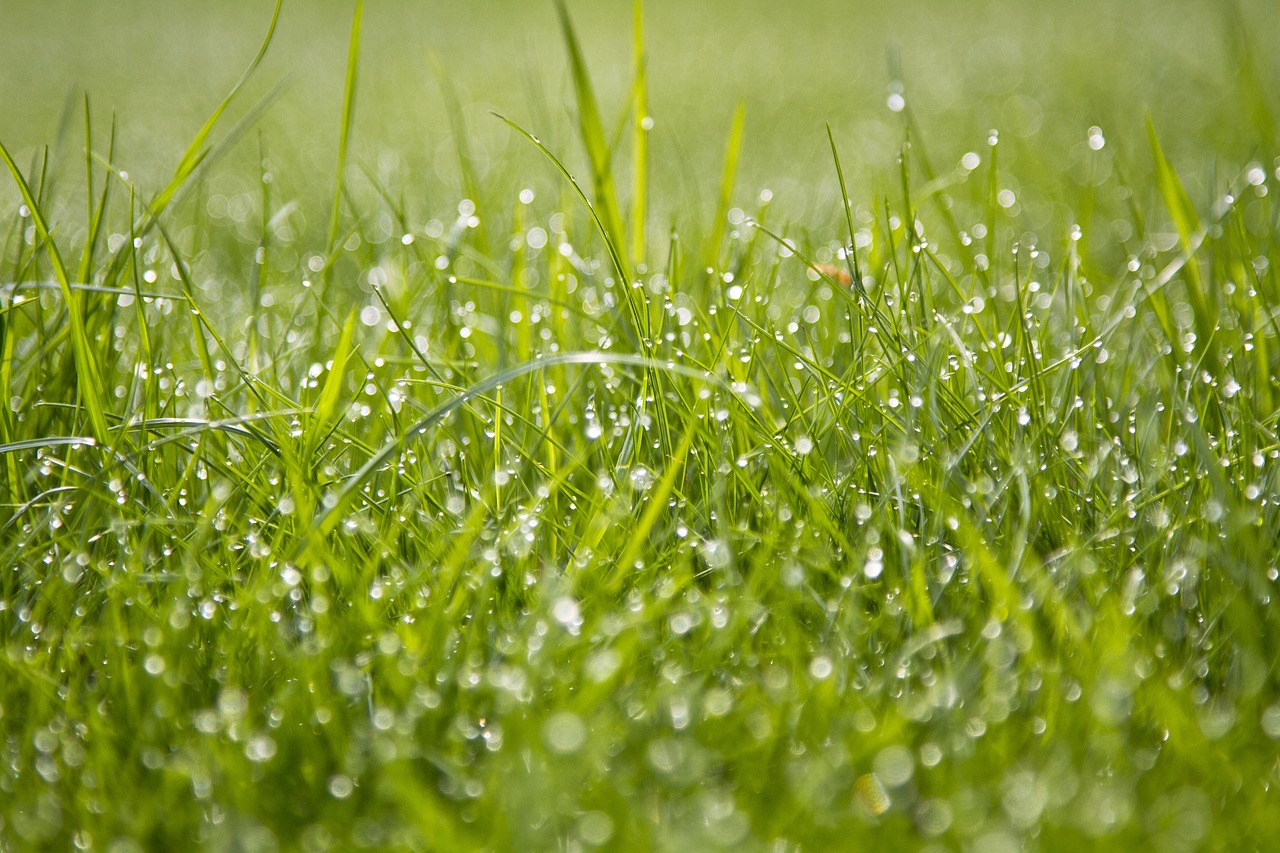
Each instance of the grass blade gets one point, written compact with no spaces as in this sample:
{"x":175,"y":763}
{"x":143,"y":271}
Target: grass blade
{"x":88,"y":382}
{"x":639,"y":320}
{"x":348,"y":119}
{"x":732,"y":149}
{"x":196,"y":151}
{"x":594,"y":140}
{"x":641,"y":125}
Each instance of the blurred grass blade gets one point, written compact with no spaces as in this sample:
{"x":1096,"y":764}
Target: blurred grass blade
{"x":1176,"y":200}
{"x":196,"y":151}
{"x":462,"y":144}
{"x":591,"y":131}
{"x":641,"y":125}
{"x":732,"y":149}
{"x":348,"y":118}
{"x":1190,"y":231}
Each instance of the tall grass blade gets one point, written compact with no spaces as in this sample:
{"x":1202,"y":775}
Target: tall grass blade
{"x":639,"y":319}
{"x":732,"y":149}
{"x":196,"y":151}
{"x":88,"y":381}
{"x":1190,"y":229}
{"x":348,"y":120}
{"x":591,"y":130}
{"x":640,"y":127}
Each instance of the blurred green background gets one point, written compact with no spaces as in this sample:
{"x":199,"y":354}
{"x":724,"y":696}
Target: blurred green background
{"x":1041,"y":73}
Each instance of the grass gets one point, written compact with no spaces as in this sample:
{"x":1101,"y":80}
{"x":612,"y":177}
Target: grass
{"x":579,"y":514}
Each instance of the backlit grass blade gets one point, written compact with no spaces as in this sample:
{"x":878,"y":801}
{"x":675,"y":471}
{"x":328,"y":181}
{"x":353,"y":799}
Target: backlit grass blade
{"x":732,"y":149}
{"x":196,"y":151}
{"x":348,"y":121}
{"x":1190,"y":229}
{"x":594,"y":140}
{"x":640,"y":156}
{"x":1176,"y":200}
{"x":639,"y":319}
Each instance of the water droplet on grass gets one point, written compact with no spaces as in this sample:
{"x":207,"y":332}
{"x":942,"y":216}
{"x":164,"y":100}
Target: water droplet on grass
{"x":894,"y":766}
{"x":641,"y":478}
{"x":341,"y":786}
{"x":564,"y":733}
{"x":595,"y":828}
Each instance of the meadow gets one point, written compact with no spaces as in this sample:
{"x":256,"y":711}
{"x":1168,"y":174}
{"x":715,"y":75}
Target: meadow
{"x":663,"y":426}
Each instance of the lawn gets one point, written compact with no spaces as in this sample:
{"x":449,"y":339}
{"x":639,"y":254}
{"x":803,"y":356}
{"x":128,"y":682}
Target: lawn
{"x":678,"y":426}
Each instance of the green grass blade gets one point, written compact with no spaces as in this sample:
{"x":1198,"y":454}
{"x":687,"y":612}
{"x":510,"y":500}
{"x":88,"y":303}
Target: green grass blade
{"x":196,"y":151}
{"x":640,"y":127}
{"x":326,"y":406}
{"x":732,"y":149}
{"x":594,"y":140}
{"x":88,"y":382}
{"x":1176,"y":200}
{"x":97,"y":214}
{"x":851,"y":251}
{"x":348,"y":121}
{"x":639,"y":320}
{"x":1190,"y":231}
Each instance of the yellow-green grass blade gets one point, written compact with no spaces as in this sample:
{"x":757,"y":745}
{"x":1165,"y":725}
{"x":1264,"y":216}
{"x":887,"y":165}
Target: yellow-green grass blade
{"x":732,"y":150}
{"x":640,"y":154}
{"x":594,"y":140}
{"x":348,"y":120}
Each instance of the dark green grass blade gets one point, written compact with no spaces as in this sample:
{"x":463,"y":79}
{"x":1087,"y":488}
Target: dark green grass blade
{"x":851,"y":252}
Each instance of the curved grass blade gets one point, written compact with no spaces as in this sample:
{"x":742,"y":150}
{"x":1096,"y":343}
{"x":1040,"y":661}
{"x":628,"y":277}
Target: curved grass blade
{"x":615,"y":256}
{"x":325,"y":522}
{"x":196,"y":152}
